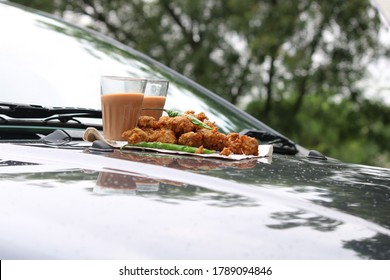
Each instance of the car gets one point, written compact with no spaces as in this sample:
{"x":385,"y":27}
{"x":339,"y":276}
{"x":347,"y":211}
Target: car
{"x":63,"y":197}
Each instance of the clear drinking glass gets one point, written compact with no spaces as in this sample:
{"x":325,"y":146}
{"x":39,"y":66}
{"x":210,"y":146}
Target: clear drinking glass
{"x":154,"y":98}
{"x":121,"y":100}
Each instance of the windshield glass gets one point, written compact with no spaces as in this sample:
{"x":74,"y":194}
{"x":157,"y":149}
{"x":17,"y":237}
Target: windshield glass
{"x":51,"y":63}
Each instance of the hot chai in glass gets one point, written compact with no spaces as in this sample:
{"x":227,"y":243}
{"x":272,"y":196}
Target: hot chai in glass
{"x":121,"y":100}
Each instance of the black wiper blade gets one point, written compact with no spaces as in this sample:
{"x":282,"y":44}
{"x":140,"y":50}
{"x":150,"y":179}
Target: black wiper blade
{"x":281,"y":144}
{"x":15,"y":110}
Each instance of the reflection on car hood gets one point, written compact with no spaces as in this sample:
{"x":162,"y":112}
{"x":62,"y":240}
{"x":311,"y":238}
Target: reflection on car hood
{"x":74,"y":203}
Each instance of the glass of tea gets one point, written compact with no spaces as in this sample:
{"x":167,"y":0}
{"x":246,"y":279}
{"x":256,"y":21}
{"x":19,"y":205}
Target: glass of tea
{"x":121,"y":100}
{"x":154,"y":98}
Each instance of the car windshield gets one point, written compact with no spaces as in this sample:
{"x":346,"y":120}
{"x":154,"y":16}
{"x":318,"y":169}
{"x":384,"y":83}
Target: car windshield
{"x":51,"y":63}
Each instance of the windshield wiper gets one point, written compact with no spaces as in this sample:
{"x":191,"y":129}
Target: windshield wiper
{"x":14,"y":114}
{"x":281,"y":144}
{"x":29,"y":111}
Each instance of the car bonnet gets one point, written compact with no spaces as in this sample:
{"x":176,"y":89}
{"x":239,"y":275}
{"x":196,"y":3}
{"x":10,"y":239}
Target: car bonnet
{"x":75,"y":203}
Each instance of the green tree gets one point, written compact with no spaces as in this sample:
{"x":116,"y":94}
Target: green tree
{"x":298,"y":62}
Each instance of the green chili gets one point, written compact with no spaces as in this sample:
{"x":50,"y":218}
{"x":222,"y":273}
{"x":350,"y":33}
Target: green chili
{"x":173,"y":113}
{"x":168,"y":146}
{"x":197,"y":122}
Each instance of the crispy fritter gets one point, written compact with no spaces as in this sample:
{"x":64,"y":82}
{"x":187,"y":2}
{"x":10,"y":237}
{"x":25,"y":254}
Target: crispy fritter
{"x":163,"y":122}
{"x":225,"y":152}
{"x":164,"y":136}
{"x":135,"y":135}
{"x":249,"y":145}
{"x":233,"y":142}
{"x":242,"y":144}
{"x":201,"y":116}
{"x":189,"y":112}
{"x":180,"y":125}
{"x":193,"y":139}
{"x":147,"y":122}
{"x":213,"y":140}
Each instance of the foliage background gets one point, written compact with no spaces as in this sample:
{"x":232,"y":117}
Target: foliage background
{"x":297,"y":65}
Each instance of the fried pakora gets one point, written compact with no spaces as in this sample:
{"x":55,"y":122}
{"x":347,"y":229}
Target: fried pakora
{"x":147,"y":122}
{"x":164,"y":136}
{"x":193,"y":139}
{"x":180,"y":125}
{"x":136,"y":135}
{"x":184,"y":131}
{"x":213,"y":139}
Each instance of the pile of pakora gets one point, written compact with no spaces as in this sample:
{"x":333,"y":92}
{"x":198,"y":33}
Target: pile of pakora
{"x":183,"y":130}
